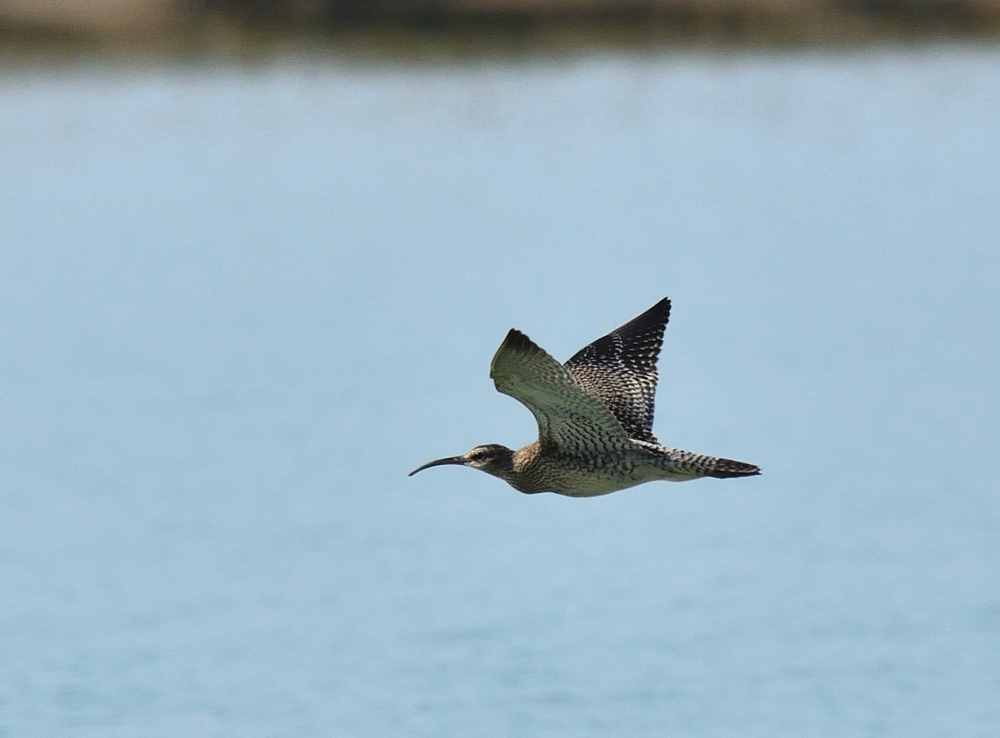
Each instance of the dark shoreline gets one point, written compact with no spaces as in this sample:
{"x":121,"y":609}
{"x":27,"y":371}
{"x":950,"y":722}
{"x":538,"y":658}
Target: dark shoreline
{"x":446,"y":28}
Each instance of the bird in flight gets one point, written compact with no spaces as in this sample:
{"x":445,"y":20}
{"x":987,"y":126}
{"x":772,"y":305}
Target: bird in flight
{"x":595,"y":417}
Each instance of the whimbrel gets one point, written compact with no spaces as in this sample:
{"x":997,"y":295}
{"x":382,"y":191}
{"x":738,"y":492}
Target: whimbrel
{"x":595,"y":417}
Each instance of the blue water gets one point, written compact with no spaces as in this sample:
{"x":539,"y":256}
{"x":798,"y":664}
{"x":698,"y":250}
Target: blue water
{"x":238,"y":304}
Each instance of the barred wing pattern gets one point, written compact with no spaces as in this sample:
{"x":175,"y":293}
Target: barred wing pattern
{"x":620,"y":370}
{"x":568,"y":418}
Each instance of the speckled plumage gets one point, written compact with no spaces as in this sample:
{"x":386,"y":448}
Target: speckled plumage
{"x":620,"y":369}
{"x":594,"y":415}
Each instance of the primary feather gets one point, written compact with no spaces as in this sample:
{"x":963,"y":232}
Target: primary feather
{"x":620,"y":370}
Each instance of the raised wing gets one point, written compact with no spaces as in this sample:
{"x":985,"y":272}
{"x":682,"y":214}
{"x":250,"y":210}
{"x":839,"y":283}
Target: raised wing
{"x":620,"y":370}
{"x":568,"y":418}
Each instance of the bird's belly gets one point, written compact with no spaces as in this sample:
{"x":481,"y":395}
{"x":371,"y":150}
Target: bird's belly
{"x":595,"y":488}
{"x":574,"y":480}
{"x":594,"y":484}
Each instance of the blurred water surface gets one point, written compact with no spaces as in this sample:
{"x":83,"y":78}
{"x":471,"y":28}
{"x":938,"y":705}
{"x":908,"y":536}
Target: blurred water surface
{"x":238,"y":304}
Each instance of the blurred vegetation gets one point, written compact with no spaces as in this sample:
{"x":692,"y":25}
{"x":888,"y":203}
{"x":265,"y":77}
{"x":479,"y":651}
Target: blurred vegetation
{"x":373,"y":24}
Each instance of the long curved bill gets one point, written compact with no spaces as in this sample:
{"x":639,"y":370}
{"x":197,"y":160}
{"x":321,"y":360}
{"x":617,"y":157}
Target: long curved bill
{"x":460,"y":460}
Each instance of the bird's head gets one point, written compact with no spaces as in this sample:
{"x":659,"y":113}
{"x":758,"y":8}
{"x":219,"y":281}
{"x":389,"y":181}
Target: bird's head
{"x":491,"y":458}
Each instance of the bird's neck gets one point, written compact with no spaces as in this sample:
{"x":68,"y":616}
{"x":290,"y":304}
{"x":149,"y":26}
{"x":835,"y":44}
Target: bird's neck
{"x":519,"y":474}
{"x":524,"y":458}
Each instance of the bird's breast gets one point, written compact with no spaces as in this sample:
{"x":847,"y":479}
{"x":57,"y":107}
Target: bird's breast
{"x":577,"y":476}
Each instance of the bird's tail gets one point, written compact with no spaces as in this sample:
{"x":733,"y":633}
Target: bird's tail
{"x":727,"y":468}
{"x":703,"y":465}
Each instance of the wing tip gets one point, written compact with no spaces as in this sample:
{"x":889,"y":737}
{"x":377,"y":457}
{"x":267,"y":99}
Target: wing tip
{"x":655,"y":318}
{"x":662,"y":308}
{"x":515,"y":340}
{"x":518,"y":341}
